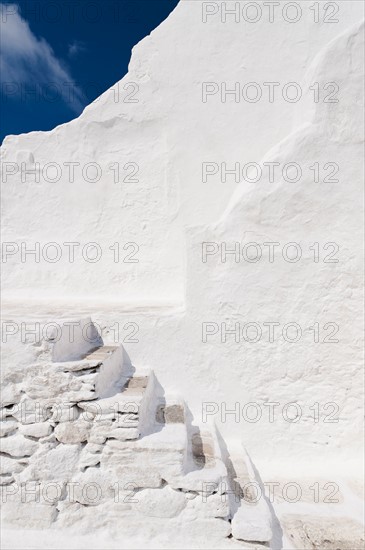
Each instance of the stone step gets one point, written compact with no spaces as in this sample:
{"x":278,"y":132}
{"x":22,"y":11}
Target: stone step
{"x":99,"y":373}
{"x":149,"y":461}
{"x":109,"y":428}
{"x":100,"y":354}
{"x":170,"y":410}
{"x":124,"y":415}
{"x":88,"y":361}
{"x":160,"y":453}
{"x":251,"y":516}
{"x":204,"y":470}
{"x":133,"y":391}
{"x":203,"y":478}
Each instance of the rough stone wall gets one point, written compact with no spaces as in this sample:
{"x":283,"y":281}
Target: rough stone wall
{"x":70,"y":456}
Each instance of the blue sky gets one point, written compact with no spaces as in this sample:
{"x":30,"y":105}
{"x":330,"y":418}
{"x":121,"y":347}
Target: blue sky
{"x":57,"y":56}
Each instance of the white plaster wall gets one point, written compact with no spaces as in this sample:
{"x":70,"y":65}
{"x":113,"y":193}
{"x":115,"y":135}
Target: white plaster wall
{"x":305,"y":292}
{"x":169,"y":132}
{"x":170,"y":212}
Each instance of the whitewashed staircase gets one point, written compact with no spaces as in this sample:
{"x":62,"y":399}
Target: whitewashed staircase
{"x":110,"y":430}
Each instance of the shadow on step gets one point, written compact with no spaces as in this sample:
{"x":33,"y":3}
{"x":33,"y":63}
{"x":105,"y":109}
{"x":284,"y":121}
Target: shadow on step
{"x":200,"y":448}
{"x":277,"y":538}
{"x":241,"y":490}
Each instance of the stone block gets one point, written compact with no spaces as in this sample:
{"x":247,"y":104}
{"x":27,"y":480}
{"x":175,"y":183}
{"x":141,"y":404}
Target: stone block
{"x":7,"y":427}
{"x":17,"y":446}
{"x":252,"y":522}
{"x":160,"y":503}
{"x":38,"y":430}
{"x":72,"y":432}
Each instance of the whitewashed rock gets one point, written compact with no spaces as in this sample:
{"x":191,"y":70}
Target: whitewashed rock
{"x":76,"y":340}
{"x":215,"y":529}
{"x":10,"y":465}
{"x":114,"y":367}
{"x":18,"y":446}
{"x":88,"y":460}
{"x":252,"y":522}
{"x":64,"y":413}
{"x":93,"y":448}
{"x":4,"y":413}
{"x":6,"y":479}
{"x":96,"y":438}
{"x":34,"y":516}
{"x":160,"y":503}
{"x":59,"y":463}
{"x":119,"y":420}
{"x":7,"y":427}
{"x":72,"y":432}
{"x":76,"y":367}
{"x":124,"y":402}
{"x":50,"y":441}
{"x":129,"y":404}
{"x":205,"y":480}
{"x":104,"y":518}
{"x":205,"y":472}
{"x":40,"y":429}
{"x":209,"y":506}
{"x":162,"y":453}
{"x":111,"y":431}
{"x":127,"y":476}
{"x":31,"y":411}
{"x":10,"y":394}
{"x":92,"y":487}
{"x":44,"y":383}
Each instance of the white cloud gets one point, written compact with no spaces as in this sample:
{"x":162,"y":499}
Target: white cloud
{"x":75,"y":48}
{"x":26,"y":59}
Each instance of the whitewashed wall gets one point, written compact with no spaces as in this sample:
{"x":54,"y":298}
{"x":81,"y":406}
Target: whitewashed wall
{"x":169,"y":132}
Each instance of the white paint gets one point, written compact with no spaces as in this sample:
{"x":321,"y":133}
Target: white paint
{"x":75,"y":340}
{"x":169,"y":212}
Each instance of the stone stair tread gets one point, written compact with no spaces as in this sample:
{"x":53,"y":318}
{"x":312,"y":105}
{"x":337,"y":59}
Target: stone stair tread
{"x":252,"y":523}
{"x":100,"y":354}
{"x":206,"y":471}
{"x":116,"y":402}
{"x":135,"y":385}
{"x":252,"y":520}
{"x":72,"y":366}
{"x":149,"y":461}
{"x":133,"y":391}
{"x":170,"y":437}
{"x":89,"y":360}
{"x":206,"y":480}
{"x":138,"y":436}
{"x":171,"y":410}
